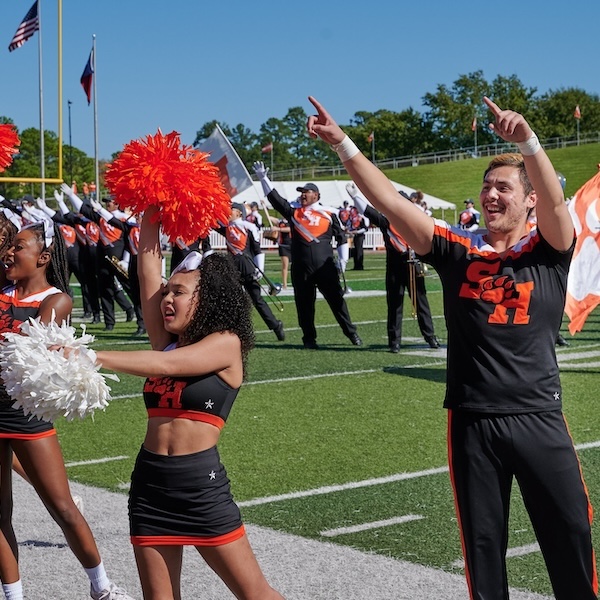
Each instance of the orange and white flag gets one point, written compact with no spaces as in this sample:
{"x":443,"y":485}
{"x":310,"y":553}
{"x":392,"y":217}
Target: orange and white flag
{"x":583,"y":284}
{"x":577,"y":113}
{"x":234,"y":175}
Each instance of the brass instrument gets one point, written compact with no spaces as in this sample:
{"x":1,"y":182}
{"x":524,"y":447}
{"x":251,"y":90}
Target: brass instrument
{"x":271,"y":289}
{"x":415,"y":269}
{"x":121,"y":273}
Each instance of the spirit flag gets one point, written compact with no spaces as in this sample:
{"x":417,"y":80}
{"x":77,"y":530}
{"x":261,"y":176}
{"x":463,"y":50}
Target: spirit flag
{"x":26,"y":29}
{"x":583,"y":284}
{"x":234,"y":175}
{"x":88,"y":76}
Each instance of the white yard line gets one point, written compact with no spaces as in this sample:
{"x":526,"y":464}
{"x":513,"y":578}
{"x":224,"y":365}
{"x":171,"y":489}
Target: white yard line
{"x":369,"y":526}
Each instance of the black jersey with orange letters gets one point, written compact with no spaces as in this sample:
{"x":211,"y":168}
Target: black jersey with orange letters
{"x":205,"y":398}
{"x":503,"y":313}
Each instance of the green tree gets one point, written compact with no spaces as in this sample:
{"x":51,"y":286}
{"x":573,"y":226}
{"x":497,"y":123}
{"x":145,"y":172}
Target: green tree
{"x":556,"y":109}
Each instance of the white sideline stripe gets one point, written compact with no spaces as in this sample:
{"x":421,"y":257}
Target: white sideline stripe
{"x":345,"y":373}
{"x":570,"y":355}
{"x":510,"y":553}
{"x":95,"y":461}
{"x":372,"y":525}
{"x":351,"y":485}
{"x":576,"y":365}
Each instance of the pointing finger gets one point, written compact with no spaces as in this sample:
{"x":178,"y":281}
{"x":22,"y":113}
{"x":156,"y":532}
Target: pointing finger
{"x":492,"y":106}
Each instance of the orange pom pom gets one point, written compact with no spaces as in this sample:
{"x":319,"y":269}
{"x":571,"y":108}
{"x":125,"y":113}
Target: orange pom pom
{"x":9,"y":140}
{"x":179,"y":180}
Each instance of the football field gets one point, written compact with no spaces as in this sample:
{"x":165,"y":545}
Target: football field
{"x":344,"y":447}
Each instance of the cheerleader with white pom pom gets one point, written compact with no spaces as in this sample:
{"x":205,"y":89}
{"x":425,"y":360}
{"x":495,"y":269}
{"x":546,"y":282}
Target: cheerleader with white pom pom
{"x":200,"y":328}
{"x":36,"y":265}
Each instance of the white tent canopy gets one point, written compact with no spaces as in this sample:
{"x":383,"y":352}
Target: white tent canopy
{"x":333,"y":193}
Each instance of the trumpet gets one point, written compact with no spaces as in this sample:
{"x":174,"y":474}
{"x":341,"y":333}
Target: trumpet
{"x":113,"y":261}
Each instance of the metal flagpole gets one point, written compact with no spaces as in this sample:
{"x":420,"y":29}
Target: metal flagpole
{"x":41,"y":86}
{"x":272,"y":147}
{"x":373,"y":148}
{"x":95,"y":84}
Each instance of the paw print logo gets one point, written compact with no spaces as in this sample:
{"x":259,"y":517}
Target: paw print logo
{"x":496,"y":290}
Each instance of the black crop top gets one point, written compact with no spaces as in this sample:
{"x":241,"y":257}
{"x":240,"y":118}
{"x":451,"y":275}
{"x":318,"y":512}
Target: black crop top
{"x":205,"y":398}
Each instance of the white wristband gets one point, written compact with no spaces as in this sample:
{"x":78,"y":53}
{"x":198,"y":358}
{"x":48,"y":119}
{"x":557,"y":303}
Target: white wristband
{"x":530,"y":147}
{"x":346,"y":149}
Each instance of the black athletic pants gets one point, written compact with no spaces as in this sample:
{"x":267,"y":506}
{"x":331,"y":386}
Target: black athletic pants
{"x":397,"y":281}
{"x":326,"y":279}
{"x":485,"y":453}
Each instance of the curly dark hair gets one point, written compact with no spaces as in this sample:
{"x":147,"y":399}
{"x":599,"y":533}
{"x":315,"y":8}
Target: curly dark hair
{"x":8,"y":231}
{"x":57,"y":273}
{"x":223,"y":305}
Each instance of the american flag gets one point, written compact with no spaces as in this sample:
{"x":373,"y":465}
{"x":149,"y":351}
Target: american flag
{"x":26,"y":29}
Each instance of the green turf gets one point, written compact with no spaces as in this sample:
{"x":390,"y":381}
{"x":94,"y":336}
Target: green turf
{"x":351,"y":414}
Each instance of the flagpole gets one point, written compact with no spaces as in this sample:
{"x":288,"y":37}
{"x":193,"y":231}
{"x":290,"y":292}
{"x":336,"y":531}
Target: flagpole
{"x":272,"y":147}
{"x":373,"y":149}
{"x":475,"y":133}
{"x":95,"y":83}
{"x":41,"y":100}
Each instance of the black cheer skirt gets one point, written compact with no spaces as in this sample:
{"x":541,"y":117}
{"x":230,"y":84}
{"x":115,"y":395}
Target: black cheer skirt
{"x":182,"y":500}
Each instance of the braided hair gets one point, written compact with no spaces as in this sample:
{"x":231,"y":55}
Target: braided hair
{"x":57,"y":273}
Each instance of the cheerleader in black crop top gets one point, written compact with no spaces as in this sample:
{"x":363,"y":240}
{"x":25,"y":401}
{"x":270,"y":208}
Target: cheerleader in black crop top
{"x":504,"y":295}
{"x":200,"y":329}
{"x":36,"y":264}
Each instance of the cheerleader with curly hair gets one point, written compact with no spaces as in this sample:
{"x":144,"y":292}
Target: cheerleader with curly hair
{"x":36,"y":265}
{"x":200,"y":330}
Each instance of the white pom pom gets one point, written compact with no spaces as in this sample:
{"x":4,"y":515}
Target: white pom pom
{"x":46,"y":384}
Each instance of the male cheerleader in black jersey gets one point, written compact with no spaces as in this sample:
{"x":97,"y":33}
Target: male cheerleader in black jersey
{"x":504,"y":295}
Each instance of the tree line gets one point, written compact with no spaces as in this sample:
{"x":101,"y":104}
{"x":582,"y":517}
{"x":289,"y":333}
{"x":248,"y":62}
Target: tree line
{"x":445,"y":124}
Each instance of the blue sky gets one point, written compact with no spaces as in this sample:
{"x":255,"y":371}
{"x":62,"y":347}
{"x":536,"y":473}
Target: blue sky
{"x":176,"y":65}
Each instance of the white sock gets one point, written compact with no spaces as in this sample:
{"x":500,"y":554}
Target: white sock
{"x":13,"y":591}
{"x":98,"y":578}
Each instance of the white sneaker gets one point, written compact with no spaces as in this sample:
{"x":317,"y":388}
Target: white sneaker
{"x":78,"y":500}
{"x":113,"y":592}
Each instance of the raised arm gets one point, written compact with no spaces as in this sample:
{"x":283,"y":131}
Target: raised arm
{"x":150,"y":277}
{"x":553,"y":218}
{"x":415,"y":226}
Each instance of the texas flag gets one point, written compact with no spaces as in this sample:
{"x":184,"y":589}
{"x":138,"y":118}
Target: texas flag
{"x":87,"y":77}
{"x":583,"y":284}
{"x":234,"y":175}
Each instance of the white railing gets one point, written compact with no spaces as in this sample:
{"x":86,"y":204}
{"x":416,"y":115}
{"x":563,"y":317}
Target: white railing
{"x":373,"y":241}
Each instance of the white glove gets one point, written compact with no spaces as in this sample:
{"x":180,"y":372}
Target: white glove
{"x":360,"y":204}
{"x":105,"y":214}
{"x":261,"y":172}
{"x":60,"y":200}
{"x":259,"y":261}
{"x":72,"y":196}
{"x":41,"y":204}
{"x":343,"y":255}
{"x":351,"y":189}
{"x":260,"y":169}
